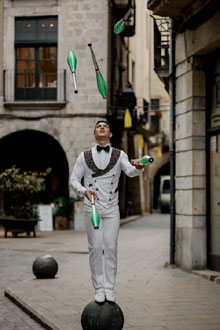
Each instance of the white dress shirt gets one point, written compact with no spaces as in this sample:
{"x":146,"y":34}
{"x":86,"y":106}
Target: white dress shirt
{"x":105,"y":185}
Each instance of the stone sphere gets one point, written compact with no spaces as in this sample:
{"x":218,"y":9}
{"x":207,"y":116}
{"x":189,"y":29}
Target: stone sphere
{"x":106,"y":316}
{"x":45,"y":267}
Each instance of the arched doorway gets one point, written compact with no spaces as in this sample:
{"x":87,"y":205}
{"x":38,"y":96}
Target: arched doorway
{"x":164,"y":170}
{"x":36,"y":151}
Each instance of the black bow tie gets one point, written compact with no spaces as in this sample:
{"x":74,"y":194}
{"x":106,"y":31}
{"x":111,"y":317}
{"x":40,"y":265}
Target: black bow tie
{"x":106,"y":148}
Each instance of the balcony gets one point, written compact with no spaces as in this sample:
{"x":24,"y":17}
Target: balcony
{"x":187,"y":14}
{"x":161,"y":48}
{"x":171,"y":8}
{"x":24,"y":91}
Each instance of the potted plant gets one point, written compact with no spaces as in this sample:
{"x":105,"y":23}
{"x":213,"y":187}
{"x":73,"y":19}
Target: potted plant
{"x":64,"y":208}
{"x":20,"y":188}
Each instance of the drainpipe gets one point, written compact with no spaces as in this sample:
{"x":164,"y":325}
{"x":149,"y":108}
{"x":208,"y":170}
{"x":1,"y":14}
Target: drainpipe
{"x":172,"y":143}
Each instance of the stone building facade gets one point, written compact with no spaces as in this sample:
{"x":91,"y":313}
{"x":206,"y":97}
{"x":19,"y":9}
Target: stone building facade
{"x":65,"y":122}
{"x":152,"y":99}
{"x":146,"y":99}
{"x":197,"y":41}
{"x":42,"y":122}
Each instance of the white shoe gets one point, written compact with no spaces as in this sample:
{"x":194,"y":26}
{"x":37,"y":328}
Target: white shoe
{"x":99,"y":296}
{"x":110,"y":296}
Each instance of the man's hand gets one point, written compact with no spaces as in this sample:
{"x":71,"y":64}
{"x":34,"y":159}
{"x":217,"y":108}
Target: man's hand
{"x":138,"y":166}
{"x":88,"y":193}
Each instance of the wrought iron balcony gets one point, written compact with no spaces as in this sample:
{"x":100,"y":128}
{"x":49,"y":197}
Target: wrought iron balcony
{"x":24,"y":90}
{"x":161,"y":47}
{"x":170,"y":8}
{"x":186,"y":14}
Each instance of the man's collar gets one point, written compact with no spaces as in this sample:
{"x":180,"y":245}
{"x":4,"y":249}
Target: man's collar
{"x":108,"y":144}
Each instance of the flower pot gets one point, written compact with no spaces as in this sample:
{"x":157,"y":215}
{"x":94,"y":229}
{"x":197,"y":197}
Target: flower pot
{"x":61,"y":223}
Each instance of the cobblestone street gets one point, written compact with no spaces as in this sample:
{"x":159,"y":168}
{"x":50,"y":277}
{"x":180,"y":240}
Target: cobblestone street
{"x":151,"y":296}
{"x":16,"y":259}
{"x":16,"y":266}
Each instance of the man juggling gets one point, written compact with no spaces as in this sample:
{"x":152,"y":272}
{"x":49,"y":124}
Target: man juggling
{"x":101,"y":167}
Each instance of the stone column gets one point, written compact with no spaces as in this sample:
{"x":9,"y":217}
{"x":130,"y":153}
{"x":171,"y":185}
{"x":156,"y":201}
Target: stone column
{"x":190,"y":165}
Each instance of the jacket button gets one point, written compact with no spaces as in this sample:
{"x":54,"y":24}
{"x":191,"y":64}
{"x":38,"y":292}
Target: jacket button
{"x":110,"y":192}
{"x":90,"y":185}
{"x":97,"y":189}
{"x":97,"y":199}
{"x":110,"y":199}
{"x":111,"y":182}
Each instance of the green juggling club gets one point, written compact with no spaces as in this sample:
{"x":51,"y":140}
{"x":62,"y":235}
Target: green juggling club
{"x":101,"y":84}
{"x":120,"y":25}
{"x":72,"y":61}
{"x":145,"y":160}
{"x":95,"y":216}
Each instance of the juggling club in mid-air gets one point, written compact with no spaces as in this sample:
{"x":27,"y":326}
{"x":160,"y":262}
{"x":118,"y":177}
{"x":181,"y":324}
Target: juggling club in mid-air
{"x":95,"y":219}
{"x":120,"y":25}
{"x":101,"y":84}
{"x":72,"y":61}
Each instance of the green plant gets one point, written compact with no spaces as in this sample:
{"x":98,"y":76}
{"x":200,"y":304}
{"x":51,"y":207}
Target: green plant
{"x":20,"y":188}
{"x":64,"y":206}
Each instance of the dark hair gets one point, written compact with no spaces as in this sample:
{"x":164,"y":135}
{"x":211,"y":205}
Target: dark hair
{"x":102,"y":121}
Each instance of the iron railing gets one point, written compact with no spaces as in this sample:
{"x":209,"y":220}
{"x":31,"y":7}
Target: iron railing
{"x":161,"y":42}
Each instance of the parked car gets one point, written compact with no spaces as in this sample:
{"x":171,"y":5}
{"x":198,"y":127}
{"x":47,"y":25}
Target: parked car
{"x":165,"y":193}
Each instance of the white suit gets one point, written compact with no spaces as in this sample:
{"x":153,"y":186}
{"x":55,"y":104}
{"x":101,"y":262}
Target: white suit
{"x":101,"y":171}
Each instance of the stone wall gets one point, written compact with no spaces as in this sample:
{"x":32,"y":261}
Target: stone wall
{"x":191,"y":214}
{"x":190,"y":165}
{"x":191,"y":151}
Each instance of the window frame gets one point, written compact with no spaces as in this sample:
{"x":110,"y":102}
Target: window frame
{"x":28,"y":93}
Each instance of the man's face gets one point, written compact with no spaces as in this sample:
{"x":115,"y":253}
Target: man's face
{"x":102,"y":130}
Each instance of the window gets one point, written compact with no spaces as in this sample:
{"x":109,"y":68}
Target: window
{"x":155,"y":104}
{"x":36,"y":58}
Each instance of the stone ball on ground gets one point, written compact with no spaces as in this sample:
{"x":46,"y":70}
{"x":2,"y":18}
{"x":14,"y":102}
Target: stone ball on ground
{"x":106,"y":316}
{"x":45,"y":267}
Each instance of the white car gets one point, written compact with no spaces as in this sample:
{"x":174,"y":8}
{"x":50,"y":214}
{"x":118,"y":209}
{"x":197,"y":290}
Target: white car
{"x":165,"y":193}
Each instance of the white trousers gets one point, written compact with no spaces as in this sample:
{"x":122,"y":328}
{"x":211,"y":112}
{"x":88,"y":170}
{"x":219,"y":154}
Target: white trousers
{"x":102,"y":244}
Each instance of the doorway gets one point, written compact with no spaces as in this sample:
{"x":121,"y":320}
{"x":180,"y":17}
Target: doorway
{"x":214,"y":230}
{"x":36,"y":151}
{"x":213,"y":164}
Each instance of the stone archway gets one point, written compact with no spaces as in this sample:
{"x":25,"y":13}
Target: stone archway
{"x":36,"y":151}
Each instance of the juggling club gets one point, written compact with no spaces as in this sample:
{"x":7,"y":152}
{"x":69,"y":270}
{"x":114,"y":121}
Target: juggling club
{"x":120,"y":25}
{"x":72,"y":61}
{"x":101,"y":84}
{"x":95,"y":216}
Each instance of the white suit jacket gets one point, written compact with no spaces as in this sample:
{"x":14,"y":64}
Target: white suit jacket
{"x":101,"y":172}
